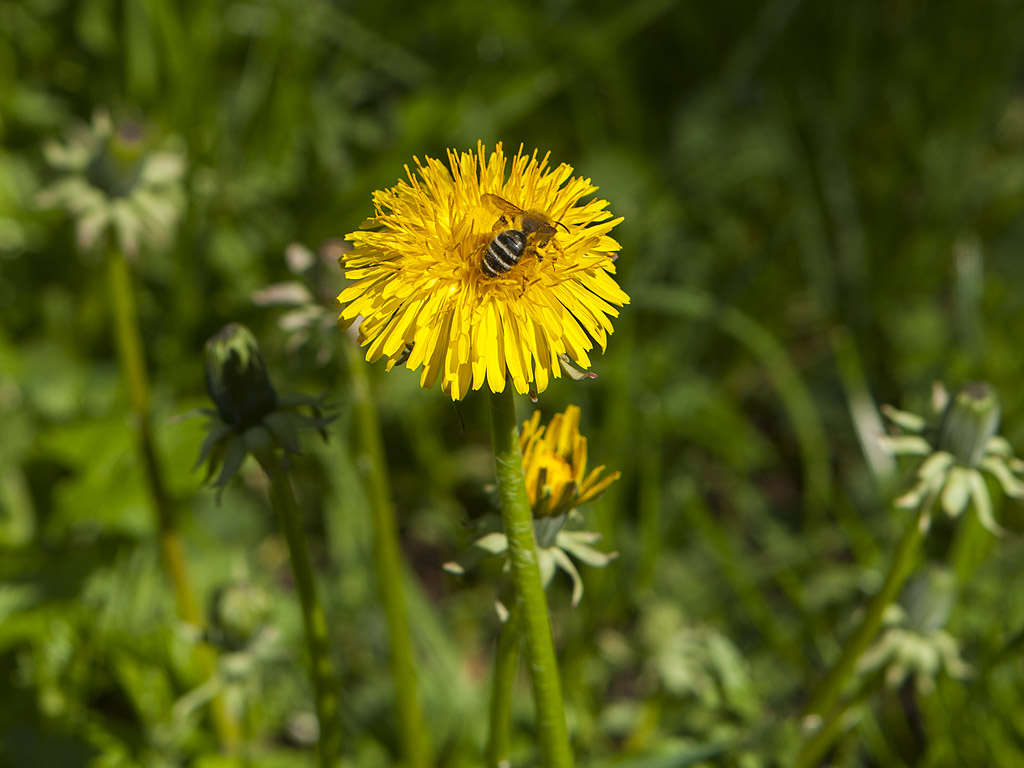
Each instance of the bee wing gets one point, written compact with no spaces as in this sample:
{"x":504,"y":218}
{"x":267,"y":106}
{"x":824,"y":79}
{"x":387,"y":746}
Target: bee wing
{"x":501,"y":204}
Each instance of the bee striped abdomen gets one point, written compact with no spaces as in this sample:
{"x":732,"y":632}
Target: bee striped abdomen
{"x":503,"y":252}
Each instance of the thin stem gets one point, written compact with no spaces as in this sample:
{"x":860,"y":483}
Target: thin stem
{"x":506,"y":662}
{"x":325,"y":686}
{"x":970,"y":547}
{"x":387,"y":562}
{"x":531,"y":603}
{"x":133,"y":365}
{"x":826,"y":734}
{"x":822,"y":711}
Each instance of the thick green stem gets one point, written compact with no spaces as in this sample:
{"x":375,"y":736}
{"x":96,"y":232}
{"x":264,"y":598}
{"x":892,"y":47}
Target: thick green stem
{"x":822,"y":712}
{"x":531,"y":603}
{"x":133,"y":364}
{"x":325,"y":685}
{"x":387,"y":562}
{"x":506,"y":662}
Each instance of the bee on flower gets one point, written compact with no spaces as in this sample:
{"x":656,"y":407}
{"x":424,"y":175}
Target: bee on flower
{"x":479,"y":270}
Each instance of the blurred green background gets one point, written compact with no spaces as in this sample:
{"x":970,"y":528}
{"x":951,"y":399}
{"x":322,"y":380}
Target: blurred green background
{"x":824,"y":211}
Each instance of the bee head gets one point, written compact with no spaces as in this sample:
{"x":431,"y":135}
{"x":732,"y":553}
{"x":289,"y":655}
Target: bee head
{"x":541,"y":226}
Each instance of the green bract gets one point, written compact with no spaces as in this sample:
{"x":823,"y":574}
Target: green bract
{"x":556,"y":548}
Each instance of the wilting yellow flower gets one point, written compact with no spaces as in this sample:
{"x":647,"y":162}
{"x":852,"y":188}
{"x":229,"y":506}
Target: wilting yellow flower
{"x":555,"y":465}
{"x":425,"y":300}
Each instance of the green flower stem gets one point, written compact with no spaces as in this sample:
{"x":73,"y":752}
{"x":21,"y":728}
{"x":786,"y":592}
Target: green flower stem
{"x":325,"y":685}
{"x":531,"y":603}
{"x":506,"y":661}
{"x":824,"y":736}
{"x":970,"y":547}
{"x":387,"y":562}
{"x":133,"y":363}
{"x":822,"y":712}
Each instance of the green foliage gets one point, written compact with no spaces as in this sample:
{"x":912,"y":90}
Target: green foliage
{"x":824,"y":207}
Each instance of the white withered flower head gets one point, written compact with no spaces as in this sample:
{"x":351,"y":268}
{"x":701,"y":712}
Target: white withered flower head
{"x":114,"y":180}
{"x":956,"y":452}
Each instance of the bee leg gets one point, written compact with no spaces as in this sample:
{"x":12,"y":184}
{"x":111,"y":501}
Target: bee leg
{"x":558,"y":248}
{"x":527,"y":283}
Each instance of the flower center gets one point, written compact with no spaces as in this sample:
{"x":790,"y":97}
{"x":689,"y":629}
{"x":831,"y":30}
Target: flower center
{"x":549,"y":476}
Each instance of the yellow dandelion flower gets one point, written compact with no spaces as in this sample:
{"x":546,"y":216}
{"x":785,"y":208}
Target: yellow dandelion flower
{"x":555,"y":465}
{"x":425,"y":299}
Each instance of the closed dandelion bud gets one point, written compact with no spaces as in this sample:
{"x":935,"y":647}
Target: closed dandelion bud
{"x":969,"y":421}
{"x":236,"y":377}
{"x":251,"y":418}
{"x":963,"y":448}
{"x":117,"y":165}
{"x":239,"y":611}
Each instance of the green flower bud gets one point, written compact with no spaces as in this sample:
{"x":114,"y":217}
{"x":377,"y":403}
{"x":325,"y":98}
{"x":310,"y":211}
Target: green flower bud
{"x":251,"y":418}
{"x":117,"y":165}
{"x":239,"y":611}
{"x":969,"y":421}
{"x":236,"y":377}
